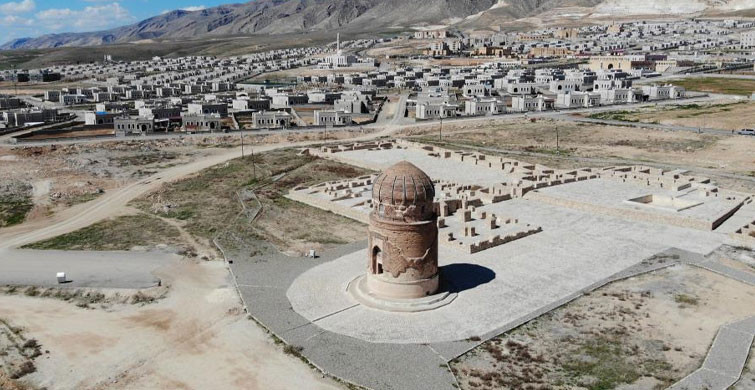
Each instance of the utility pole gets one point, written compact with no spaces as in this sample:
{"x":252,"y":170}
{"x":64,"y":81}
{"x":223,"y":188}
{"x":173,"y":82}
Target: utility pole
{"x":242,"y":144}
{"x":254,"y":166}
{"x":558,"y":149}
{"x":440,"y":131}
{"x":15,"y":79}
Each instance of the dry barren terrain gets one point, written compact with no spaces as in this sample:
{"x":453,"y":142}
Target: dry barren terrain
{"x":196,"y":337}
{"x":648,"y":332}
{"x":727,"y":116}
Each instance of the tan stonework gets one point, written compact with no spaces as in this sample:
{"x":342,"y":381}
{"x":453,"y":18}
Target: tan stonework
{"x":403,"y":235}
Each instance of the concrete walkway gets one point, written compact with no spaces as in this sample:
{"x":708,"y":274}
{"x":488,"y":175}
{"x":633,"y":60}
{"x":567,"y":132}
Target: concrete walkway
{"x":262,"y":282}
{"x":715,"y":266}
{"x":728,"y":355}
{"x":726,"y":359}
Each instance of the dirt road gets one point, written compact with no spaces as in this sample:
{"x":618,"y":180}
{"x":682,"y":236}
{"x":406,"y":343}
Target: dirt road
{"x":114,"y":203}
{"x":108,"y":205}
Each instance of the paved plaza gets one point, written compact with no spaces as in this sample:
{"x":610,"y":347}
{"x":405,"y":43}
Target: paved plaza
{"x":590,"y":231}
{"x":574,"y":250}
{"x":264,"y":280}
{"x":587,"y":228}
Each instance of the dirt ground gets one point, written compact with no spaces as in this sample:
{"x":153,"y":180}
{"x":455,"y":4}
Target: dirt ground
{"x":137,"y":231}
{"x":15,"y":202}
{"x":645,"y":332}
{"x":68,"y":175}
{"x":290,"y":226}
{"x":403,"y":48}
{"x":39,"y":88}
{"x":73,"y":134}
{"x":728,"y":116}
{"x":722,"y":152}
{"x":197,"y":337}
{"x":729,"y":86}
{"x":63,"y":176}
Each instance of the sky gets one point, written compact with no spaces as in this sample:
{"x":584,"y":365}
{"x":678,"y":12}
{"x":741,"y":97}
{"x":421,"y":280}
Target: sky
{"x":32,"y":18}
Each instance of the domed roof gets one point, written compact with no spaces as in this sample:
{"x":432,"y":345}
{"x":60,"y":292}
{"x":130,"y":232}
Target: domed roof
{"x":403,"y":184}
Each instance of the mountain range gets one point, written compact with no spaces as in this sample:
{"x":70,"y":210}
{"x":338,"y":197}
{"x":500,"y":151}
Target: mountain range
{"x":299,"y":16}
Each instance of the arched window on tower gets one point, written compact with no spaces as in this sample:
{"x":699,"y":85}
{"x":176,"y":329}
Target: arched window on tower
{"x":377,"y":261}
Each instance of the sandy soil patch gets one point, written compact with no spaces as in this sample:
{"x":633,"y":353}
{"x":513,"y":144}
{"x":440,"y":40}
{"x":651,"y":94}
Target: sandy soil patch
{"x":63,"y":176}
{"x":196,"y":338}
{"x":402,"y":48}
{"x":727,"y":116}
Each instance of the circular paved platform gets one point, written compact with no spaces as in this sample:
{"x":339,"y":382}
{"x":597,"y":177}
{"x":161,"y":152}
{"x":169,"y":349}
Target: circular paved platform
{"x":358,"y":289}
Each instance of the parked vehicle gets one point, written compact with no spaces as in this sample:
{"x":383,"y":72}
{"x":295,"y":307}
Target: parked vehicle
{"x":746,"y":132}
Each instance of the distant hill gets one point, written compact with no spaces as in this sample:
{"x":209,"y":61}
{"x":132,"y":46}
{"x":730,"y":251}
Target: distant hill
{"x":292,"y":16}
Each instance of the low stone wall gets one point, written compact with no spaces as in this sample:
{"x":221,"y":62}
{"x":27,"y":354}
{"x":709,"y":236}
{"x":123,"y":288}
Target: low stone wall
{"x":341,"y":158}
{"x":326,"y":205}
{"x":623,"y":213}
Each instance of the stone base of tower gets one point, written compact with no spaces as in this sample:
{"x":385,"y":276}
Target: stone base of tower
{"x":368,"y":290}
{"x":395,"y":289}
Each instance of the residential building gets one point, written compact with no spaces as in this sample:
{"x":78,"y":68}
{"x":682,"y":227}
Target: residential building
{"x":332,"y":118}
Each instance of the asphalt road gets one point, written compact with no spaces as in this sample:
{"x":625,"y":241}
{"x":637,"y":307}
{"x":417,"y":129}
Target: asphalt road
{"x":133,"y":270}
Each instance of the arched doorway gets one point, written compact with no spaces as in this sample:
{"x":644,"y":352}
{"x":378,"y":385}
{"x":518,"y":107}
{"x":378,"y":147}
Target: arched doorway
{"x":610,"y":66}
{"x":377,"y":261}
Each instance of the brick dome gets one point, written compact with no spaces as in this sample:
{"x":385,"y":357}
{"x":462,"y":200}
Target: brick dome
{"x":403,"y":184}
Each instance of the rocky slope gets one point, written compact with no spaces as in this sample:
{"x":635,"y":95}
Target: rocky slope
{"x":292,"y":16}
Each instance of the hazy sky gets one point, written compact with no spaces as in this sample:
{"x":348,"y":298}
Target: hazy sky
{"x":31,"y":18}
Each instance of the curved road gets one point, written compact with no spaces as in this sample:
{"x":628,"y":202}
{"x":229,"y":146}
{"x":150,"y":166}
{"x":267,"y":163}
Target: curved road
{"x":112,"y":203}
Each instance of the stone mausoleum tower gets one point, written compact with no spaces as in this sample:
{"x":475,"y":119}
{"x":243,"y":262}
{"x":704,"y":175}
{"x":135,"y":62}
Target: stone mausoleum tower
{"x":403,"y":235}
